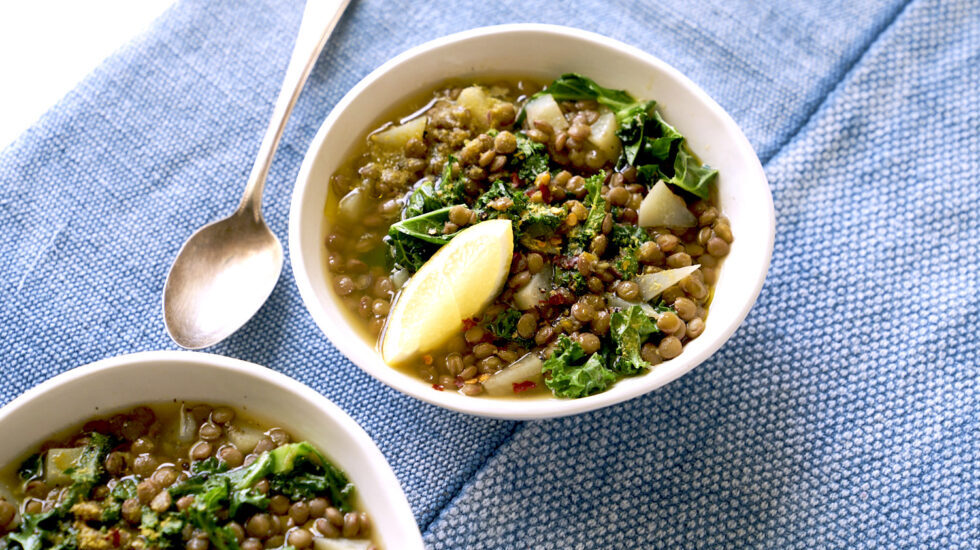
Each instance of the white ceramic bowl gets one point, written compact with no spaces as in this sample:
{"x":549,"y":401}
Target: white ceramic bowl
{"x":130,"y":380}
{"x":543,"y":51}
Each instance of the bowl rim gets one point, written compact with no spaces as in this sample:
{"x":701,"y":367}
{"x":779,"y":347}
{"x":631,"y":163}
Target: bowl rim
{"x":513,"y":409}
{"x":374,"y":459}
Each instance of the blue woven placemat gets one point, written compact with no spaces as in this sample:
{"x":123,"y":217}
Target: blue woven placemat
{"x":843,"y":414}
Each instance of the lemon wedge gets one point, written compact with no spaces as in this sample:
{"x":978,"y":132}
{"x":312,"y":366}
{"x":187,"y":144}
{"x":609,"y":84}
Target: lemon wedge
{"x":456,"y":283}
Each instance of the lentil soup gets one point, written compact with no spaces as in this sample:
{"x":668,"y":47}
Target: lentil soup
{"x":618,"y":237}
{"x":177,"y":475}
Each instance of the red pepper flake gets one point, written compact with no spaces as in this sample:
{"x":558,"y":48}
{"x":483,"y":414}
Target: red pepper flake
{"x":470,"y":323}
{"x":545,"y":192}
{"x":438,"y":387}
{"x":116,"y":538}
{"x":514,"y":180}
{"x":524,"y":386}
{"x":427,"y":359}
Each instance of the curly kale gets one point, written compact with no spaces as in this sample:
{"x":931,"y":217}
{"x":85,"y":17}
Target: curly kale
{"x":504,"y":327}
{"x":568,"y":376}
{"x":428,"y":196}
{"x":589,"y":228}
{"x":297,"y":470}
{"x":571,"y":279}
{"x":628,"y":239}
{"x":629,"y":330}
{"x":529,"y":159}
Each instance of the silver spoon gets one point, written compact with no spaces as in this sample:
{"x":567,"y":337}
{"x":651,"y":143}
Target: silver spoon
{"x":228,"y":268}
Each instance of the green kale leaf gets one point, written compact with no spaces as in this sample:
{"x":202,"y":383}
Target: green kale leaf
{"x":112,"y":509}
{"x":504,"y":326}
{"x":53,"y":529}
{"x":659,"y":151}
{"x":571,"y":279}
{"x":628,"y":239}
{"x":540,"y":220}
{"x":628,"y":236}
{"x":626,"y":263}
{"x":163,"y":530}
{"x":500,"y":189}
{"x":629,"y":329}
{"x":32,"y":534}
{"x":87,"y":470}
{"x":530,"y":158}
{"x":514,"y":201}
{"x":423,"y":199}
{"x":428,"y":196}
{"x":582,"y":235}
{"x":299,"y":458}
{"x":296,"y":469}
{"x":567,"y":378}
{"x":655,"y":148}
{"x":413,"y":241}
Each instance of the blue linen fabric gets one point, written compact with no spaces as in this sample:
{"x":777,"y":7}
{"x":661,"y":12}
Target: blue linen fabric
{"x":842,"y":414}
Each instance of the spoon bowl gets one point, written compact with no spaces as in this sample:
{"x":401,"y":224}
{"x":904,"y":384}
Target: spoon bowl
{"x":220,"y":279}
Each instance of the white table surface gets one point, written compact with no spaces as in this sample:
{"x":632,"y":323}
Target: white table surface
{"x":48,"y":46}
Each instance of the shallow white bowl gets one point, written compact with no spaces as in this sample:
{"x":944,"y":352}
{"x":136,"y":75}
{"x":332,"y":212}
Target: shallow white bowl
{"x":543,"y":51}
{"x":153,"y":377}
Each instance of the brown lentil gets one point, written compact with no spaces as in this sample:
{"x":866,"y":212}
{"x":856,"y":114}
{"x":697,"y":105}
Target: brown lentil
{"x":590,"y":342}
{"x":717,"y":247}
{"x":685,"y":308}
{"x":326,"y":528}
{"x":678,"y":259}
{"x":299,"y":538}
{"x":695,"y":327}
{"x":628,"y":290}
{"x":669,"y":347}
{"x":668,"y":322}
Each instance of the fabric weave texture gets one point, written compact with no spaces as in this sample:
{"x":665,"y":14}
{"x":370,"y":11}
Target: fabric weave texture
{"x":842,"y":414}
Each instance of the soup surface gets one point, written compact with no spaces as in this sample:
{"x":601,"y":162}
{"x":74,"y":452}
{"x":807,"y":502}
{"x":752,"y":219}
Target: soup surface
{"x":179,"y":475}
{"x":617,"y":237}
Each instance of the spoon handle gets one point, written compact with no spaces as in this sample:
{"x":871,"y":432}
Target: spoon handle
{"x":319,"y":19}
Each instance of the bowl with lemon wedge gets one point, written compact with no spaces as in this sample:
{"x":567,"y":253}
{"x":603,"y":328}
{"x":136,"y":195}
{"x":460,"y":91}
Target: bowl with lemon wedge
{"x":528,"y":237}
